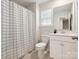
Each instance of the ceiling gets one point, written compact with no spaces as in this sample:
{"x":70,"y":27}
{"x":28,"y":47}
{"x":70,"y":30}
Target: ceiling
{"x":42,"y":1}
{"x":29,"y":2}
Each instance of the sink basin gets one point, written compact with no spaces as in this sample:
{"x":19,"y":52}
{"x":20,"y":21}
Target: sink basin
{"x":65,"y":33}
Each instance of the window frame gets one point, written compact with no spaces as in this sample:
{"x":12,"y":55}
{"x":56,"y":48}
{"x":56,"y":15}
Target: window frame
{"x":51,"y":23}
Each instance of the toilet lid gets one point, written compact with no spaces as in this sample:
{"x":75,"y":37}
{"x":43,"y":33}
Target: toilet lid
{"x":40,"y":44}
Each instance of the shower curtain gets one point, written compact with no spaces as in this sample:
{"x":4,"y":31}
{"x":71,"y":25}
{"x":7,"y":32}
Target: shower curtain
{"x":17,"y":30}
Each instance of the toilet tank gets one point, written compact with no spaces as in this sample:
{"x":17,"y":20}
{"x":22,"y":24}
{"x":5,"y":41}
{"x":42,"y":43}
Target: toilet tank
{"x":44,"y":38}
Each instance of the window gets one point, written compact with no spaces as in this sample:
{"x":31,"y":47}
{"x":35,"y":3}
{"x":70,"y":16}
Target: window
{"x":46,"y":17}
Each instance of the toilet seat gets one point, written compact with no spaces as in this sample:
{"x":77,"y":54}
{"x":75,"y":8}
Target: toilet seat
{"x":41,"y":45}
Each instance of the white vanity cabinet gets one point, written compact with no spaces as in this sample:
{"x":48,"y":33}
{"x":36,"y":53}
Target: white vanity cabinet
{"x":55,"y":49}
{"x":62,"y":48}
{"x":69,"y":50}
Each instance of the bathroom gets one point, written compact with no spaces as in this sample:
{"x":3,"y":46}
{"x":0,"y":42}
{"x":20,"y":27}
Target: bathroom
{"x":39,"y":29}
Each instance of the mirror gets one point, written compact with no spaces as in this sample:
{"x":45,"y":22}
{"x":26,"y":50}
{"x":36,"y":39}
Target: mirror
{"x":62,"y":17}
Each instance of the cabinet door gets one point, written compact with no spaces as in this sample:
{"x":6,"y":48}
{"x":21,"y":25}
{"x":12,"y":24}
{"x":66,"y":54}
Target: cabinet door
{"x":55,"y":49}
{"x":70,"y":50}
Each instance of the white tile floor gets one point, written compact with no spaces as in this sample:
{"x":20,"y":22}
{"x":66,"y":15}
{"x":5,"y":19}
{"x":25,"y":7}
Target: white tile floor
{"x":34,"y":55}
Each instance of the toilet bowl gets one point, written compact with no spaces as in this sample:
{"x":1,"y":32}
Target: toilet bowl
{"x":40,"y":47}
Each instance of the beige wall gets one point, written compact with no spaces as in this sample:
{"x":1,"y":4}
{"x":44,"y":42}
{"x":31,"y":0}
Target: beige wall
{"x":46,"y":29}
{"x":37,"y":23}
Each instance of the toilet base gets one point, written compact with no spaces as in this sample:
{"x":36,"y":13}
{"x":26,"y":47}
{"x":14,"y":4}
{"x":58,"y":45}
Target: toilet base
{"x":40,"y":54}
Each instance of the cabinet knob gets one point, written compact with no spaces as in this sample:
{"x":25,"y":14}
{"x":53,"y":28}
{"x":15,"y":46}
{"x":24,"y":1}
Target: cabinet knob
{"x":74,"y":38}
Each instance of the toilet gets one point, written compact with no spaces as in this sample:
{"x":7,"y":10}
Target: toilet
{"x":40,"y":47}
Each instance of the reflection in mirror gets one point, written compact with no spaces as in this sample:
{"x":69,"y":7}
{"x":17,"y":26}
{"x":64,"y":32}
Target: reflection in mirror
{"x":65,"y":24}
{"x":71,"y":22}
